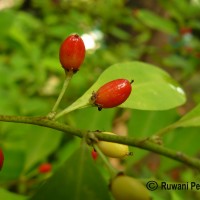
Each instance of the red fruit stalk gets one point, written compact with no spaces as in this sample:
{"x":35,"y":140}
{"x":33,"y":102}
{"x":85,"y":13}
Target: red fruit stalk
{"x":112,"y":94}
{"x":72,"y":53}
{"x":1,"y":159}
{"x":45,"y":168}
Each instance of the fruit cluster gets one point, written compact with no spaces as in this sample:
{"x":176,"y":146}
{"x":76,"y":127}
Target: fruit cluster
{"x":109,"y":95}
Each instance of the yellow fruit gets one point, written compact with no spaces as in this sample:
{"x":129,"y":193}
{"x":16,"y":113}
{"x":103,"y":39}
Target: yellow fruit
{"x":127,"y":188}
{"x":112,"y":149}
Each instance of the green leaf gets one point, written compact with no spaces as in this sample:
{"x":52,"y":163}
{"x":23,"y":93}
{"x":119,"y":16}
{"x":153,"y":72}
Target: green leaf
{"x":13,"y":164}
{"x":4,"y":194}
{"x":175,"y":196}
{"x":156,"y":22}
{"x":192,"y":118}
{"x":64,"y":152}
{"x":145,"y":123}
{"x":6,"y":20}
{"x":119,"y":33}
{"x":40,"y":142}
{"x":94,"y":120}
{"x":77,"y":179}
{"x":184,"y":140}
{"x":153,"y":88}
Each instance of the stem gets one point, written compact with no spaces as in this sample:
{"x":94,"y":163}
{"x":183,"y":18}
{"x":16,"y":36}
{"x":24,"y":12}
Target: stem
{"x":142,"y":144}
{"x":68,"y":77}
{"x":70,"y":109}
{"x":165,"y":130}
{"x":112,"y":170}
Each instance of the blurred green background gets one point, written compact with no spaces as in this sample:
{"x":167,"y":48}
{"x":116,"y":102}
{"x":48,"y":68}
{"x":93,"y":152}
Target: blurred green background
{"x":164,"y":33}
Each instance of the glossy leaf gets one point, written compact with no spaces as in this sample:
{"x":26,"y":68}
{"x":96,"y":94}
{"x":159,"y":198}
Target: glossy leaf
{"x":153,"y":88}
{"x":77,"y":179}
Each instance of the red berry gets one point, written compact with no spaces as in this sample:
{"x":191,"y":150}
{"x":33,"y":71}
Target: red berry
{"x":112,"y":94}
{"x":94,"y":154}
{"x":1,"y":159}
{"x":185,"y":30}
{"x":45,"y":168}
{"x":72,"y":53}
{"x":176,"y":174}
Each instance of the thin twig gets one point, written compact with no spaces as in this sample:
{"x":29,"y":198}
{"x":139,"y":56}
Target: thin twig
{"x":68,"y":77}
{"x":142,"y":144}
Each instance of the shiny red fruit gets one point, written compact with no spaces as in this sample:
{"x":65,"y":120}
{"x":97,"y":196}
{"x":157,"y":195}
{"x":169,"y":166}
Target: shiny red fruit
{"x":112,"y":94}
{"x":72,"y":53}
{"x":45,"y":168}
{"x":1,"y":159}
{"x":94,"y":154}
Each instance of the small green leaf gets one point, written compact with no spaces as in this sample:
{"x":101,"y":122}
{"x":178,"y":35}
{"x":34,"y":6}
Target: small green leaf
{"x":77,"y":179}
{"x":153,"y":88}
{"x":154,"y":21}
{"x":119,"y":33}
{"x":192,"y":118}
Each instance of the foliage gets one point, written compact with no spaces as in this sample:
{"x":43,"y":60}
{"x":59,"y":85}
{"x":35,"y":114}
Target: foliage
{"x":128,"y":35}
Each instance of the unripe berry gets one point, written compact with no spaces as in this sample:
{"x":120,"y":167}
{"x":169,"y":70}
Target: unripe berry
{"x":1,"y":159}
{"x":112,"y":149}
{"x":112,"y":94}
{"x":127,"y":188}
{"x":94,"y":154}
{"x":45,"y":168}
{"x":72,"y":53}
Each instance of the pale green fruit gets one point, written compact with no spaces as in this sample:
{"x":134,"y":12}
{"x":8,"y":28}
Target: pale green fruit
{"x":112,"y":149}
{"x":127,"y":188}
